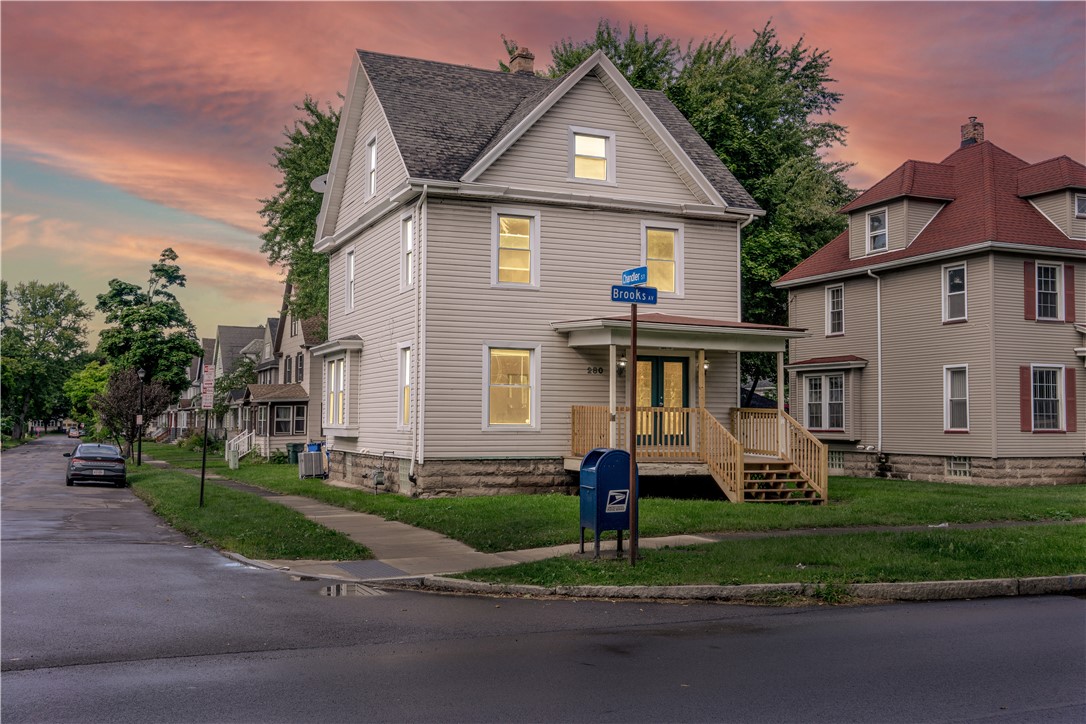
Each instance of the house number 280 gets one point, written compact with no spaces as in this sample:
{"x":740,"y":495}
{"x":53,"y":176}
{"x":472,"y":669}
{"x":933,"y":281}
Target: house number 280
{"x":594,"y":370}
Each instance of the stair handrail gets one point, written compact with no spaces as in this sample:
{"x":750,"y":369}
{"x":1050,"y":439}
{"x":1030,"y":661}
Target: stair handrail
{"x":722,"y":453}
{"x":807,"y":453}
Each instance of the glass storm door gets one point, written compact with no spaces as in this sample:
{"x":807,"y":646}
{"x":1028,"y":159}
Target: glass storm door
{"x":661,"y":383}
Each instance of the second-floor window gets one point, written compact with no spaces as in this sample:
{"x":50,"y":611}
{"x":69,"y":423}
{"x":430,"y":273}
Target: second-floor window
{"x":407,"y":244}
{"x":825,"y":403}
{"x":835,"y":309}
{"x":876,"y":231}
{"x":335,"y":412}
{"x":515,"y":248}
{"x":591,"y":155}
{"x":1080,"y":206}
{"x":1048,"y":291}
{"x":286,"y":370}
{"x":954,"y":306}
{"x":956,"y":395}
{"x":349,"y":291}
{"x":661,"y":252}
{"x":298,"y":362}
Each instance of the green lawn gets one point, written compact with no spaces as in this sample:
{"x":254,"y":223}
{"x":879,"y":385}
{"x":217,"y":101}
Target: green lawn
{"x":512,"y":522}
{"x":237,"y":521}
{"x":1048,"y":550}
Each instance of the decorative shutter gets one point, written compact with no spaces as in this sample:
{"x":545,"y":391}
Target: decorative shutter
{"x":1068,"y":292}
{"x":1025,"y":398}
{"x":1072,"y":401}
{"x":1029,"y":284}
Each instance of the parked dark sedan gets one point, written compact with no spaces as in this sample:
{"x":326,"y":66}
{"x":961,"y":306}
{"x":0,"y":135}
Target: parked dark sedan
{"x":95,"y":462}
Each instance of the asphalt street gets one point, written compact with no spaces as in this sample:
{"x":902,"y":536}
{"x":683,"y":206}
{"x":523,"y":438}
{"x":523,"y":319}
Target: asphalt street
{"x":108,"y":615}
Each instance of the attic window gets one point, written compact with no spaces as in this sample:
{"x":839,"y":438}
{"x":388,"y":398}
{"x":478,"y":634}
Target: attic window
{"x":876,"y":231}
{"x":591,"y":155}
{"x":1080,"y":206}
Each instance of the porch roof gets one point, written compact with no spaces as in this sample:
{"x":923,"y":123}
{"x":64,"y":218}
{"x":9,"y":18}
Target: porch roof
{"x":277,"y":393}
{"x":667,"y":330}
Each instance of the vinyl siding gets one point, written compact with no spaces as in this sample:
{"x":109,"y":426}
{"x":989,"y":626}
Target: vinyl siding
{"x":383,"y":317}
{"x":1059,"y":208}
{"x":540,"y":158}
{"x":1022,"y":342}
{"x":918,"y":214}
{"x":581,"y":254}
{"x":897,"y":237}
{"x":391,"y":171}
{"x":312,"y":377}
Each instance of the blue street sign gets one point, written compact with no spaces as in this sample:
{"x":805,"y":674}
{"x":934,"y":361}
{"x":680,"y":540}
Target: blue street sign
{"x":637,"y":276}
{"x":633,"y":295}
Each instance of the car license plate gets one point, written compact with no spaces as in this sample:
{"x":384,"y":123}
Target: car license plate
{"x":98,"y":472}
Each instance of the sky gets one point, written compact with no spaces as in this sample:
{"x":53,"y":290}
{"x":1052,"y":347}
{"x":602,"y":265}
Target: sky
{"x":129,"y":127}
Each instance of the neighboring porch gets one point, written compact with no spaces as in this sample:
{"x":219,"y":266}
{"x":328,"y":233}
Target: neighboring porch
{"x":765,"y":456}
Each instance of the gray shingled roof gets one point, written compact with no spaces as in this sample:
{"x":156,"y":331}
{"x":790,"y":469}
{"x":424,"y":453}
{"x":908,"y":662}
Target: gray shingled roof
{"x":444,"y":117}
{"x":232,"y":340}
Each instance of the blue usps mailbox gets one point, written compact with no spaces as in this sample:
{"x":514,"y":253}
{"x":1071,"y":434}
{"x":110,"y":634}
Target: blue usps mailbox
{"x":605,"y":494}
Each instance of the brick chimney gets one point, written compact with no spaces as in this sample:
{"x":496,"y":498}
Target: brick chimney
{"x":523,"y":61}
{"x":972,"y":132}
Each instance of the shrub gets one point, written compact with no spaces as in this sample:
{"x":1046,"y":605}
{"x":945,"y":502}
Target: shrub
{"x":279,"y":457}
{"x":195,"y":442}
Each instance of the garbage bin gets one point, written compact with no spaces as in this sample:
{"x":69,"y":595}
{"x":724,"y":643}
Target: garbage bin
{"x":605,"y":494}
{"x":313,"y":447}
{"x":293,"y":448}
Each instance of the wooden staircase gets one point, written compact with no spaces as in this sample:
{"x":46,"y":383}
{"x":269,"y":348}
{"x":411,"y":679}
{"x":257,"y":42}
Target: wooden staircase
{"x":776,"y":480}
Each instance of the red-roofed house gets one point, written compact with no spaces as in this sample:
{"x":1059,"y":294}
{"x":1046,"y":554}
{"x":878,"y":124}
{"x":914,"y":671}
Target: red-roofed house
{"x":947,"y":325}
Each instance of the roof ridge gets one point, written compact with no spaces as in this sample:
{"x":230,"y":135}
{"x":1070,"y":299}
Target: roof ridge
{"x":434,"y":62}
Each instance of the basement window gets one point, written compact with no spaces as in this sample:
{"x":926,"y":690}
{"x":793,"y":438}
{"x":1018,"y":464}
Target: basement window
{"x":958,"y":466}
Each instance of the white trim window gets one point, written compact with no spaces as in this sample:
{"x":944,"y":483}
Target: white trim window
{"x":510,"y":387}
{"x":1080,"y":206}
{"x":591,"y":155}
{"x":1049,"y":292}
{"x":298,"y":367}
{"x":403,"y":407}
{"x":824,"y":403}
{"x":662,"y":253}
{"x":514,"y":248}
{"x":876,"y":231}
{"x":955,"y":303}
{"x":287,"y":364}
{"x":407,"y":256}
{"x":371,"y":167}
{"x":283,"y":420}
{"x":261,"y":420}
{"x":956,"y":398}
{"x":835,"y":310}
{"x":335,"y":406}
{"x":1046,"y":397}
{"x":349,"y":281}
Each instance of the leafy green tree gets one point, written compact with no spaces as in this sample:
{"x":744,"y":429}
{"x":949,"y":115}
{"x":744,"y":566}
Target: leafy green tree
{"x":764,"y":110}
{"x":244,"y":374}
{"x":118,"y":405}
{"x":290,"y":216}
{"x":43,"y":333}
{"x":152,"y":330}
{"x":81,"y":388}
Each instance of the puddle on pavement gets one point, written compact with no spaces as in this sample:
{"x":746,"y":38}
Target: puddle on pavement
{"x":350,"y":589}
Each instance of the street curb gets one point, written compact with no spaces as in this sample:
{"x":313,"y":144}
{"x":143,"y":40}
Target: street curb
{"x":760,"y":592}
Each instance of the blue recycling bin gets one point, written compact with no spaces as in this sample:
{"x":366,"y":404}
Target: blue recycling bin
{"x":605,"y":494}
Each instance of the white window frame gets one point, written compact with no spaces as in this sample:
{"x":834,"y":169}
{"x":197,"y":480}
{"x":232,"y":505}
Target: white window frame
{"x":335,"y":392}
{"x":371,"y":167}
{"x":288,"y":366}
{"x":403,"y":376}
{"x":825,"y":402}
{"x":299,"y":364}
{"x":301,"y":413}
{"x":679,"y":256}
{"x":1080,"y":203}
{"x":1059,"y":289}
{"x":535,"y":384}
{"x":947,"y":400}
{"x":885,"y":230}
{"x":261,"y":420}
{"x":1061,"y":393}
{"x":609,"y":151}
{"x":349,"y":280}
{"x":407,"y":251}
{"x":289,"y":420}
{"x":533,"y":245}
{"x":947,"y":268}
{"x":293,"y":326}
{"x":830,"y":332}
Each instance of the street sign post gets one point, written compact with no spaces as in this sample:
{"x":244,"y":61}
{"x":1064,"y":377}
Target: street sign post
{"x":207,"y":401}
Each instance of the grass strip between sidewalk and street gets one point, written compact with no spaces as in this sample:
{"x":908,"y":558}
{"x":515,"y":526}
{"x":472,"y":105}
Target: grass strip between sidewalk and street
{"x":935,"y":555}
{"x":240,"y":522}
{"x":513,"y":522}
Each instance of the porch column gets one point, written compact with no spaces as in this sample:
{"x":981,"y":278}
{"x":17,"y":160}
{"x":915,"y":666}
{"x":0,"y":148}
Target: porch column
{"x":701,"y":378}
{"x":780,"y":381}
{"x":612,"y":396}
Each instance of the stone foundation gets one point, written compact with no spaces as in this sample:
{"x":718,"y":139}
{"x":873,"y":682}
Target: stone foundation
{"x":1022,"y":472}
{"x":449,"y":478}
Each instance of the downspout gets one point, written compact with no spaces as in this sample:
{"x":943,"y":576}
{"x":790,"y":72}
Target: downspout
{"x":739,"y":303}
{"x":878,"y":342}
{"x":416,"y":428}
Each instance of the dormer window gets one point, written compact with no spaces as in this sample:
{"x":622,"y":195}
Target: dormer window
{"x":1080,"y":206}
{"x":591,"y":155}
{"x":876,"y":231}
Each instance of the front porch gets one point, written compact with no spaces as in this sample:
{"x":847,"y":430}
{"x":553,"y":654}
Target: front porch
{"x":760,"y":456}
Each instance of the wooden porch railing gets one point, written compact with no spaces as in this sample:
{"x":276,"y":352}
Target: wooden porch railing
{"x":723,"y":454}
{"x":758,"y":430}
{"x":774,"y":432}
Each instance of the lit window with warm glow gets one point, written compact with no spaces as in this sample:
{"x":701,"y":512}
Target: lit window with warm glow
{"x":591,"y":155}
{"x":510,"y":386}
{"x":663,"y":255}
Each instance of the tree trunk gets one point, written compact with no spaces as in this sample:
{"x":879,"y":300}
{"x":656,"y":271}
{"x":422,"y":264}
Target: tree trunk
{"x":750,"y":393}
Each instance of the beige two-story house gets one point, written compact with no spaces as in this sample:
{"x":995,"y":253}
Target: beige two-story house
{"x":947,"y":323}
{"x":475,"y":222}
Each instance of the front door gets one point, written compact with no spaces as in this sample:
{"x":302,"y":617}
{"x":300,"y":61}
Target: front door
{"x":661,"y":383}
